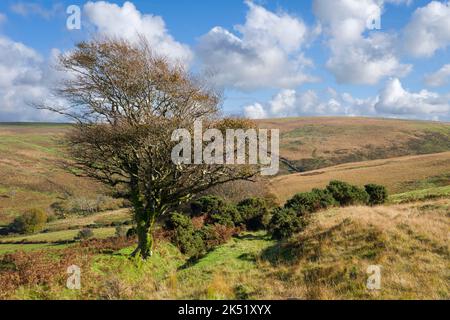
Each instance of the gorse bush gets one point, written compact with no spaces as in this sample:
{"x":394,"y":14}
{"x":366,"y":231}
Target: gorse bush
{"x":346,"y":194}
{"x":185,"y":237}
{"x":31,"y":221}
{"x":377,"y":194}
{"x":309,"y":202}
{"x":216,"y":210}
{"x":227,"y":215}
{"x":217,"y":225}
{"x":207,"y":205}
{"x":297,"y":211}
{"x":285,"y":222}
{"x":255,"y":213}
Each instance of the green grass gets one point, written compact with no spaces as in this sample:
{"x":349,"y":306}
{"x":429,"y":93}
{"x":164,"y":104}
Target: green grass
{"x":431,"y":182}
{"x":421,"y":195}
{"x":9,"y":248}
{"x":233,"y":260}
{"x":50,"y":237}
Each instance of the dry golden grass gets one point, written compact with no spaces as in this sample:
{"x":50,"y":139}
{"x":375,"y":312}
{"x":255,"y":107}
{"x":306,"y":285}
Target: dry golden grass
{"x":329,"y":259}
{"x":395,"y":174}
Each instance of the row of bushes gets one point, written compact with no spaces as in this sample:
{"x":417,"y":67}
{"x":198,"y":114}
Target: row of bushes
{"x":212,"y":220}
{"x":295,"y":214}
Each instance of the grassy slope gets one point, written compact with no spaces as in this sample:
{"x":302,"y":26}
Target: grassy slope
{"x":397,"y":174}
{"x":312,"y":143}
{"x":31,"y":174}
{"x":328,"y":261}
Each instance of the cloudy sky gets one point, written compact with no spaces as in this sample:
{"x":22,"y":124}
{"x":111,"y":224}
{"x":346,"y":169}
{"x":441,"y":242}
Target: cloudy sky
{"x":273,"y":58}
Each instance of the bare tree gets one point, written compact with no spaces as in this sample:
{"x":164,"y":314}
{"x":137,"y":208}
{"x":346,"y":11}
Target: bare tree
{"x":125,"y":103}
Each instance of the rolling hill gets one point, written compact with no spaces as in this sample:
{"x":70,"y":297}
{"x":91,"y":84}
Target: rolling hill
{"x":314,"y":143}
{"x":32,"y":171}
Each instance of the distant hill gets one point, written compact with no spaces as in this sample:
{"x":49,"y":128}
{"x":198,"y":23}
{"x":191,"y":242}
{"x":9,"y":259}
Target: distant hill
{"x":319,"y":142}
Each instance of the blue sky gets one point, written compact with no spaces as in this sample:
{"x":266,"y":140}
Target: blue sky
{"x":272,"y":58}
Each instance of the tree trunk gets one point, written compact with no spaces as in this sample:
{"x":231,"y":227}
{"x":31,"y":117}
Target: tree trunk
{"x":144,"y":230}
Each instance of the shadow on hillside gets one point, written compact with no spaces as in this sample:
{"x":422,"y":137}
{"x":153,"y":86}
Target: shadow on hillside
{"x":280,"y":253}
{"x":250,"y":257}
{"x":302,"y":246}
{"x":251,"y":237}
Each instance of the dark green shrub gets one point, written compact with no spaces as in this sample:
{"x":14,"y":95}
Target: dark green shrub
{"x":377,"y":194}
{"x":309,"y":202}
{"x":85,"y":233}
{"x":285,"y":222}
{"x":254,"y":213}
{"x":31,"y":221}
{"x":216,"y":210}
{"x":346,"y":194}
{"x":227,"y":215}
{"x":206,"y":205}
{"x":185,"y":237}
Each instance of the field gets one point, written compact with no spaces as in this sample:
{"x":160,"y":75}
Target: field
{"x":314,"y":143}
{"x":408,"y":236}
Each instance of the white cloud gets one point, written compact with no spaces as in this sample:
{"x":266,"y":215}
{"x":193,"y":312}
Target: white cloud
{"x":290,"y":103}
{"x":394,"y":99}
{"x":24,"y":79}
{"x":255,"y":111}
{"x":127,"y":22}
{"x":267,"y":52}
{"x":428,"y":30}
{"x":398,"y":2}
{"x":439,"y":78}
{"x":32,"y":8}
{"x":358,"y":58}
